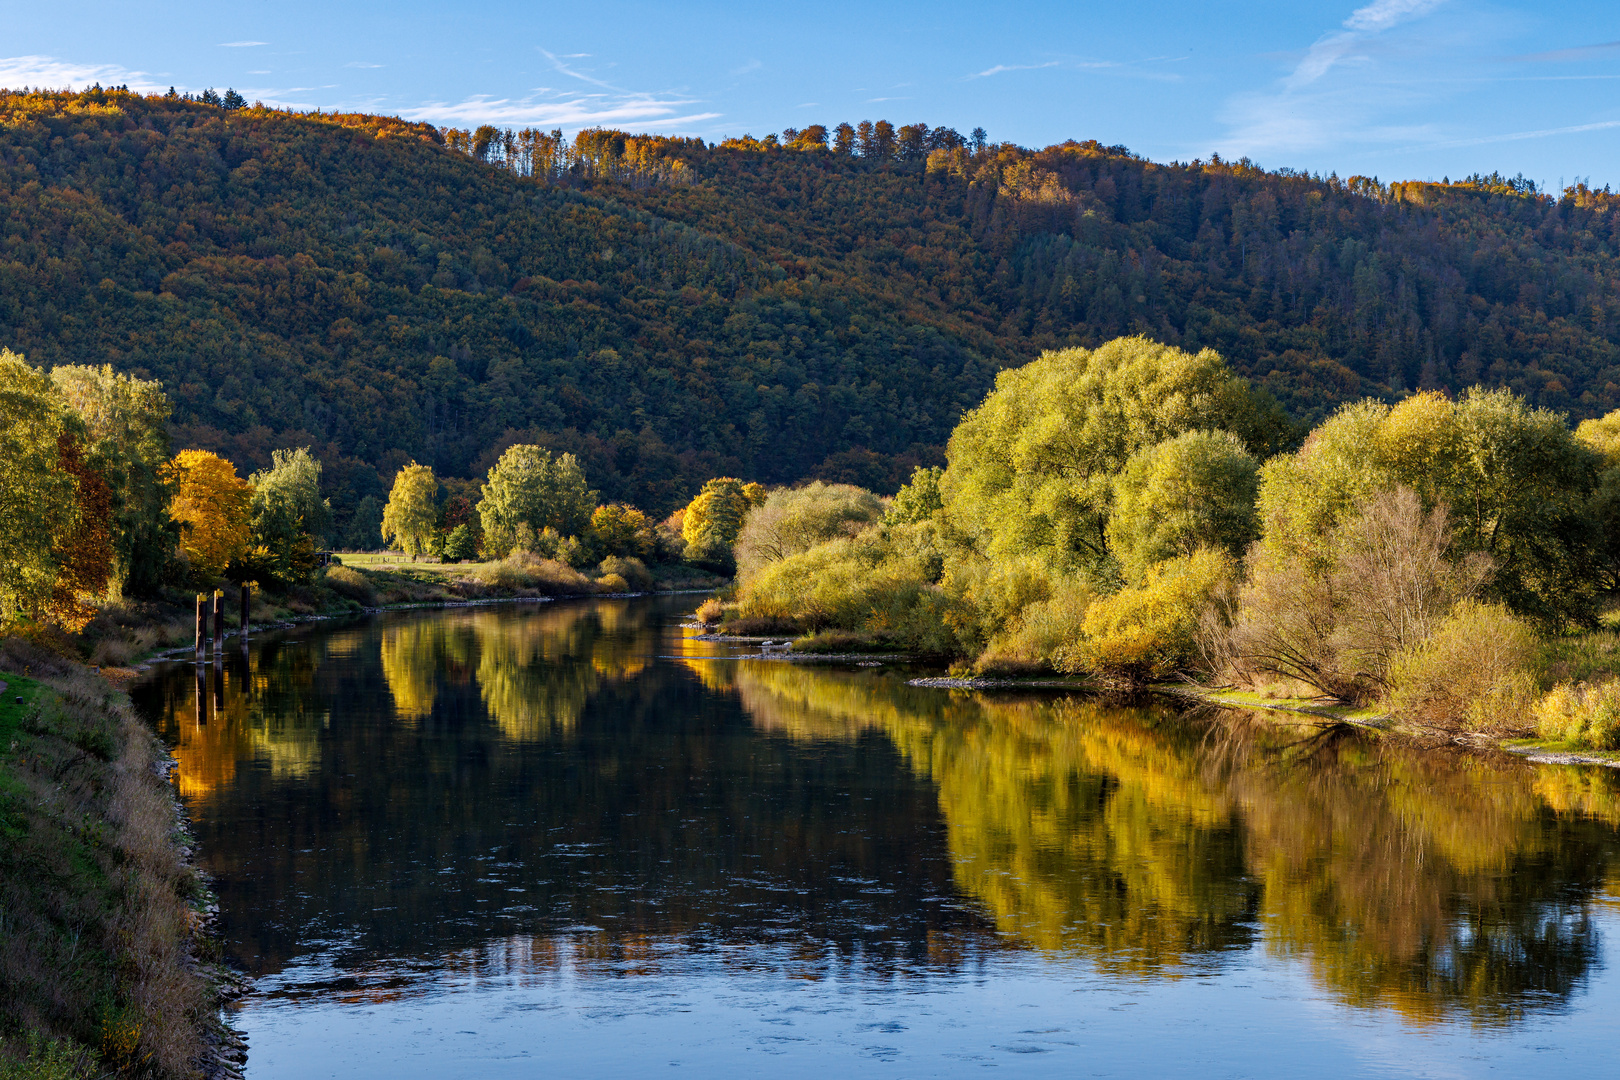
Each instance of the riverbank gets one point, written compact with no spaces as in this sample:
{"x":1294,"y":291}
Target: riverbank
{"x":107,"y":960}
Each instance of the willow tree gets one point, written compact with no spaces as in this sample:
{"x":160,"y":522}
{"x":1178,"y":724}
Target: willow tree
{"x":1032,"y":471}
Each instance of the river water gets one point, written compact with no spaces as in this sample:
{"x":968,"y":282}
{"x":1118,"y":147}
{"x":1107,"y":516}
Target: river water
{"x":568,"y":839}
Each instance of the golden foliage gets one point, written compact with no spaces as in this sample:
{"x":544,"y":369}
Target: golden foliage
{"x":212,"y":505}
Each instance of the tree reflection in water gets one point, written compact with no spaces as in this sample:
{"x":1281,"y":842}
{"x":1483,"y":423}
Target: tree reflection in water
{"x":1433,"y":882}
{"x":457,"y":791}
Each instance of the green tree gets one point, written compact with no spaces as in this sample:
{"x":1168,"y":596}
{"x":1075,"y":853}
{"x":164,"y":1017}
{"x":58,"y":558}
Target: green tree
{"x":1517,"y":483}
{"x":1032,"y":470}
{"x":411,"y":517}
{"x":365,"y":527}
{"x":919,"y":499}
{"x":126,"y":424}
{"x":461,"y":544}
{"x":38,"y":499}
{"x":528,"y":486}
{"x":622,"y":530}
{"x":289,"y":516}
{"x":1174,"y":497}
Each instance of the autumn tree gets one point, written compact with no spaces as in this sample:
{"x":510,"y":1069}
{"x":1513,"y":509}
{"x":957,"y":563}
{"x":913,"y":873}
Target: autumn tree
{"x":412,"y":515}
{"x":126,"y":442}
{"x":213,"y":508}
{"x":623,"y":530}
{"x":84,"y":551}
{"x":715,"y":516}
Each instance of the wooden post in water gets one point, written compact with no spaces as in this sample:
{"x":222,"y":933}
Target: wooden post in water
{"x":219,"y":623}
{"x":219,"y":682}
{"x":244,"y":614}
{"x":202,"y":623}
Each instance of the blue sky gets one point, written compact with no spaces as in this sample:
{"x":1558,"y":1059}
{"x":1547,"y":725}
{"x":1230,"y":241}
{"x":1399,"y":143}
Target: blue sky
{"x":1394,"y":88}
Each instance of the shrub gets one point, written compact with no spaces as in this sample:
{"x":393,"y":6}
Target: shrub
{"x":1472,"y":671}
{"x":1042,"y":632}
{"x":351,"y":584}
{"x":522,"y":570}
{"x":835,"y":641}
{"x":710,"y":611}
{"x":612,"y":583}
{"x":634,"y":572}
{"x":1582,"y":714}
{"x":1151,"y":631}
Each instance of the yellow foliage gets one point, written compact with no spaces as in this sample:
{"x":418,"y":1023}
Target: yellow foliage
{"x":1587,"y":716}
{"x":211,"y":504}
{"x":1151,"y":631}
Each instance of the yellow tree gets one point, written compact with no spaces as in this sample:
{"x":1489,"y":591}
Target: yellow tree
{"x":622,"y":530}
{"x":715,"y":516}
{"x":411,"y":516}
{"x":213,"y":508}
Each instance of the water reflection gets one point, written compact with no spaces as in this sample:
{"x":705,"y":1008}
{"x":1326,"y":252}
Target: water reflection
{"x":1150,"y":842}
{"x":435,"y":797}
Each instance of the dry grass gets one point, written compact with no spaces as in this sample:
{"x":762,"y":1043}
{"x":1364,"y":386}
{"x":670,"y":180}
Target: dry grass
{"x":96,"y":917}
{"x":524,"y":570}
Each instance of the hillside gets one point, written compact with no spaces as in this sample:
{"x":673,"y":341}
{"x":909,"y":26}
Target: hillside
{"x":673,"y":311}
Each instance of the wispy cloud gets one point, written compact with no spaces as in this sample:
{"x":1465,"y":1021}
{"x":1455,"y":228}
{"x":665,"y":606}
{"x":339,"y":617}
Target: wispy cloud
{"x":360,"y":64}
{"x":752,"y":65}
{"x":241,"y":44}
{"x":1342,"y":90}
{"x":50,"y":71}
{"x":1579,"y":52}
{"x":600,"y":103}
{"x":581,"y":111}
{"x":1001,"y":68}
{"x":1515,"y":136}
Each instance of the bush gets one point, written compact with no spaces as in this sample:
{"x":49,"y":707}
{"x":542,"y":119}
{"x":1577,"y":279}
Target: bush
{"x":1472,"y":671}
{"x":351,"y":584}
{"x":835,"y":641}
{"x":612,"y":583}
{"x":1151,"y":631}
{"x":1582,"y":714}
{"x":633,"y":571}
{"x":710,"y":611}
{"x":523,"y":570}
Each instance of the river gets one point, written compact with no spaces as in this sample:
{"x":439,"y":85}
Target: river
{"x":568,"y":838}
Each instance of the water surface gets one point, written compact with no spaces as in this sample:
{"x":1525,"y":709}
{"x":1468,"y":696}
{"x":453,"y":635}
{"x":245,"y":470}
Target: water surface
{"x":569,"y":838}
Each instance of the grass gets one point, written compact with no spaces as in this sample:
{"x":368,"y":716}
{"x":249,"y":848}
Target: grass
{"x":97,"y":906}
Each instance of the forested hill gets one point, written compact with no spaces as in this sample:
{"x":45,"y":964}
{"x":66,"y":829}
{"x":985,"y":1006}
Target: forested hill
{"x":774,"y":309}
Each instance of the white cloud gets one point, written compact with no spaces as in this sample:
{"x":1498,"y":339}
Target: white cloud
{"x":360,"y":64}
{"x":999,"y":68}
{"x":578,"y":111}
{"x":16,"y":71}
{"x":241,"y":44}
{"x":752,"y":65}
{"x":1383,"y":14}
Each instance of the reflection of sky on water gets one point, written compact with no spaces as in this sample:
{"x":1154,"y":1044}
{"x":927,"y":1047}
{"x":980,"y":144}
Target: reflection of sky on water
{"x":568,"y":828}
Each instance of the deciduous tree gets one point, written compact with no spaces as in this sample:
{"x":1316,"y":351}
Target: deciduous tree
{"x":213,"y":507}
{"x":411,"y":517}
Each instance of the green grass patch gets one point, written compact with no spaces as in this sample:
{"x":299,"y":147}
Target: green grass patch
{"x":11,"y":712}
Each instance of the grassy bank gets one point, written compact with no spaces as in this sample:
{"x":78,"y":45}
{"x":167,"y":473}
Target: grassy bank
{"x":101,"y":917}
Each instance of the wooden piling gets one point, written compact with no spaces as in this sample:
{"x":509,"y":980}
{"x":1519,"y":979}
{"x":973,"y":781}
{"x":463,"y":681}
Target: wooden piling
{"x":202,"y":622}
{"x":219,"y":622}
{"x":244,"y":612}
